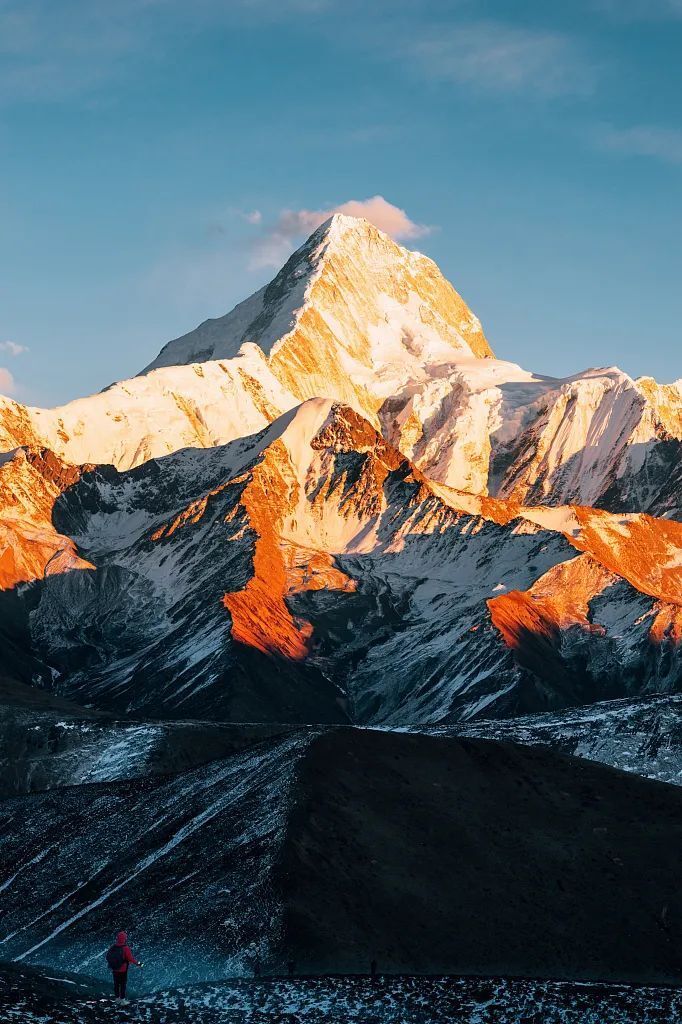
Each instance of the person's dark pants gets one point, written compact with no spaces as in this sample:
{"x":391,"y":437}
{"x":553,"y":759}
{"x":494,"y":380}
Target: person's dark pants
{"x":120,"y":979}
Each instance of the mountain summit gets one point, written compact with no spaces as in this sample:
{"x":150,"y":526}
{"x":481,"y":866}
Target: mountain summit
{"x":350,"y":310}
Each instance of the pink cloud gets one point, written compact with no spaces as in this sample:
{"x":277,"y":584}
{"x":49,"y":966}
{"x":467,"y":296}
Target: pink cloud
{"x":6,"y":382}
{"x":278,"y":240}
{"x":13,"y":348}
{"x":385,"y":216}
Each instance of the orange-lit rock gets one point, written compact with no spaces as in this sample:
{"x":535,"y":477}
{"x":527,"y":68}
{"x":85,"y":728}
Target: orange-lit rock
{"x":260,"y":617}
{"x":644,"y":550}
{"x":30,"y":547}
{"x":558,"y":600}
{"x":29,"y":553}
{"x":667,"y":625}
{"x":314,"y":570}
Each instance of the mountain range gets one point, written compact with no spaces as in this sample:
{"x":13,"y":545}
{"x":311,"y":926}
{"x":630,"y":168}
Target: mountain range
{"x":344,"y":449}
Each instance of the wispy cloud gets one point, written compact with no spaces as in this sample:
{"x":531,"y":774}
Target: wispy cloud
{"x":493,"y":56}
{"x":279,"y":238}
{"x":643,"y":140}
{"x":54,"y":52}
{"x":272,"y":7}
{"x":12,"y":348}
{"x":641,"y":10}
{"x":57,"y":51}
{"x":221,"y":221}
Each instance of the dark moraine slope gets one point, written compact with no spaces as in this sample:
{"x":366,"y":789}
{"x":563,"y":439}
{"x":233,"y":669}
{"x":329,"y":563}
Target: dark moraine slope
{"x":47,"y":742}
{"x":16,"y":694}
{"x":432,"y":854}
{"x":642,"y":735}
{"x":472,"y":856}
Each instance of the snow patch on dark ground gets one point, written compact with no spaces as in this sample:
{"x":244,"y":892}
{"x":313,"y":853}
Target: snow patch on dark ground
{"x":415,"y":1000}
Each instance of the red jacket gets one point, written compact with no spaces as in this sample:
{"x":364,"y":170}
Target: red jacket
{"x":122,"y":940}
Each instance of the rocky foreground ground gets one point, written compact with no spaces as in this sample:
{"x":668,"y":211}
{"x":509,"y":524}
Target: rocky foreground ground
{"x":29,"y":997}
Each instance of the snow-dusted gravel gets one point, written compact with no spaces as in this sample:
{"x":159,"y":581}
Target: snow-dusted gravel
{"x":28,"y":999}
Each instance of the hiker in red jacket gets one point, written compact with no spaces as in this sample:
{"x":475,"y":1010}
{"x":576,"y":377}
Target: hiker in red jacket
{"x":118,"y":958}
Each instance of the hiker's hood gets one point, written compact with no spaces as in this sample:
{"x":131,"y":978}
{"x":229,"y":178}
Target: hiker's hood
{"x":121,"y":939}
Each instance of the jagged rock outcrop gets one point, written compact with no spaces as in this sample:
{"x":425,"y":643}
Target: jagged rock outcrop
{"x":30,"y":546}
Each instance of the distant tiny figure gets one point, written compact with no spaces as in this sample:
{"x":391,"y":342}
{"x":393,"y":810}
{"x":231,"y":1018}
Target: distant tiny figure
{"x":118,"y":957}
{"x":373,"y":970}
{"x":291,"y":967}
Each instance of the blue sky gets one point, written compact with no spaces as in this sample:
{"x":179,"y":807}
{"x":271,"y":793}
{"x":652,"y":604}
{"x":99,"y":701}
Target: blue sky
{"x":156,"y":157}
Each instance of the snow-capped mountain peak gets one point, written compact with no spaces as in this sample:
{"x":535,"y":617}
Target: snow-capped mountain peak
{"x":349,"y":295}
